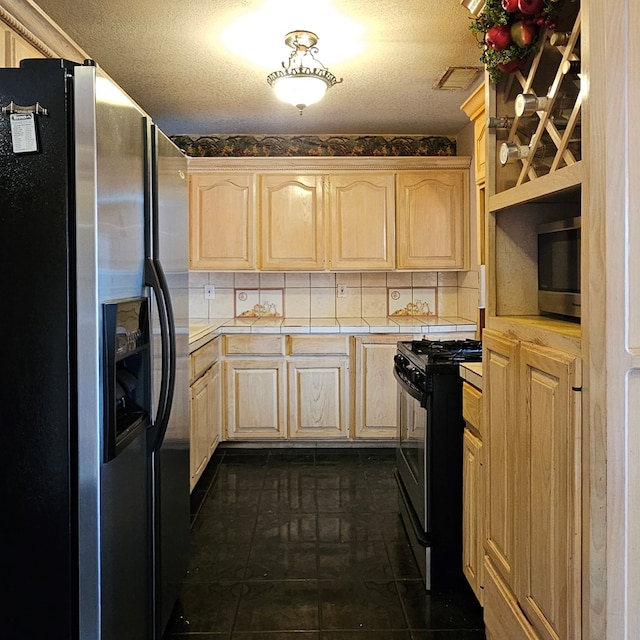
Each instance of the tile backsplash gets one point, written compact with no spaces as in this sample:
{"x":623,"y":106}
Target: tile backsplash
{"x":332,"y":295}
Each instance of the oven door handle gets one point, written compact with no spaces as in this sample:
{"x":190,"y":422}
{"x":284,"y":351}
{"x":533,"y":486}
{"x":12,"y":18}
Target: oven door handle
{"x":412,"y":391}
{"x":423,"y":537}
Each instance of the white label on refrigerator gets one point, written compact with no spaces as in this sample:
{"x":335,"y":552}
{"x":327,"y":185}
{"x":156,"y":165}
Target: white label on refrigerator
{"x":23,"y":132}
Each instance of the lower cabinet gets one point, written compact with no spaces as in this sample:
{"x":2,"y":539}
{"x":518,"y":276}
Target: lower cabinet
{"x":533,"y":536}
{"x":375,"y":387}
{"x":287,"y":387}
{"x":205,"y":409}
{"x":473,"y":490}
{"x":256,"y":398}
{"x":311,"y":386}
{"x":319,"y":398}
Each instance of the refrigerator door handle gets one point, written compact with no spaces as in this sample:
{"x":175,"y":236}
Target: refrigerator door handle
{"x":155,"y":278}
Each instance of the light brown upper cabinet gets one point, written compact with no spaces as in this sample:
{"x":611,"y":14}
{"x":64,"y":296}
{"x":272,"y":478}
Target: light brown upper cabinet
{"x":329,"y":214}
{"x":222,"y":221}
{"x":432,"y":220}
{"x":14,"y":48}
{"x":291,"y":215}
{"x":362,"y":208}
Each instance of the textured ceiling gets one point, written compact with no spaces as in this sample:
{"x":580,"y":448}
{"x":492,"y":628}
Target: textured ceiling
{"x":171,"y":57}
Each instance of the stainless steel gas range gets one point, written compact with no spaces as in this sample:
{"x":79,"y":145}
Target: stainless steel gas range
{"x":429,"y":452}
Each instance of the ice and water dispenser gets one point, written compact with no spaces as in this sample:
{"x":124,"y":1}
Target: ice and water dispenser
{"x":127,"y":371}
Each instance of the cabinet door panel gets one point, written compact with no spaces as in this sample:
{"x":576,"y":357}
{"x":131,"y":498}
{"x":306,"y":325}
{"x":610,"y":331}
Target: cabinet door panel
{"x":256,"y":398}
{"x":549,"y":481}
{"x":503,"y":617}
{"x":376,"y":390}
{"x":319,"y":398}
{"x":472,"y":509}
{"x":222,"y":221}
{"x":14,"y":48}
{"x":432,"y":220}
{"x":200,"y":419}
{"x":291,"y":222}
{"x":499,"y":374}
{"x":362,"y":221}
{"x":215,"y":394}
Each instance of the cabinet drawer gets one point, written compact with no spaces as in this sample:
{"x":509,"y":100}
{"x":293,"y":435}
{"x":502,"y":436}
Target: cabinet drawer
{"x":472,"y":406}
{"x":204,"y":357}
{"x":265,"y":345}
{"x":319,"y":345}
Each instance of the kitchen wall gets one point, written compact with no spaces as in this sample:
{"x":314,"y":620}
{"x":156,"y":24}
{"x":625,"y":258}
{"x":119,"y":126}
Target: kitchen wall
{"x":315,"y":295}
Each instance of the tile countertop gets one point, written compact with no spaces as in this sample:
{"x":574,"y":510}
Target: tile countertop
{"x":201,"y":331}
{"x":472,"y":373}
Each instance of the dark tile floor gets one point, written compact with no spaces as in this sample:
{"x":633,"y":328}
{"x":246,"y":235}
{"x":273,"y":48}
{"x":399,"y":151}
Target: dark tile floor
{"x":306,"y":544}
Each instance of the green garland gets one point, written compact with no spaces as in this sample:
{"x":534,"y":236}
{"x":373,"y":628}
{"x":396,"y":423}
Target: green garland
{"x":492,"y":15}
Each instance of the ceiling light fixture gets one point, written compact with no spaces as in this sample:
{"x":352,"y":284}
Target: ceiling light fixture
{"x":303,"y":80}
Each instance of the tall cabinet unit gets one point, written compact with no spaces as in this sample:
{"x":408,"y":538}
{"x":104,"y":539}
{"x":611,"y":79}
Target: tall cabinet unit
{"x":532,"y":363}
{"x":533,"y":497}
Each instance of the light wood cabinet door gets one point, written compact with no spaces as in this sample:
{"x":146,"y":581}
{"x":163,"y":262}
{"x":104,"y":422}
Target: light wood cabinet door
{"x":548,"y":479}
{"x":201,"y":414}
{"x":14,"y":48}
{"x":472,"y":512}
{"x":5,"y":34}
{"x":319,"y":398}
{"x":256,"y":398}
{"x":291,"y":214}
{"x":503,"y":617}
{"x":499,"y":381}
{"x":376,"y":389}
{"x":432,"y":219}
{"x":362,"y":212}
{"x":222,"y":222}
{"x":214,"y":427}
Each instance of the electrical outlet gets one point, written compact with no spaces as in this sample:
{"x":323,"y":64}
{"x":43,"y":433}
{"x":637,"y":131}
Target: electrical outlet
{"x":209,"y":292}
{"x":342,"y":290}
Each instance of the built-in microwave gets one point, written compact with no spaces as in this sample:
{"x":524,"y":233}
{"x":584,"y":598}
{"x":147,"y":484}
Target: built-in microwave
{"x":559,"y":267}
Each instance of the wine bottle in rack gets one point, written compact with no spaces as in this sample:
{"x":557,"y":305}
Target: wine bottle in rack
{"x":528,"y":104}
{"x":499,"y":123}
{"x":511,"y":152}
{"x":571,"y":67}
{"x":559,"y":38}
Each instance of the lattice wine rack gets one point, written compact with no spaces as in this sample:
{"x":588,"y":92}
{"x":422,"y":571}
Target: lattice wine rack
{"x":538,"y":109}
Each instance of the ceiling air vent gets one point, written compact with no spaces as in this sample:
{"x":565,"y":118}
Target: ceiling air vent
{"x":457,"y":78}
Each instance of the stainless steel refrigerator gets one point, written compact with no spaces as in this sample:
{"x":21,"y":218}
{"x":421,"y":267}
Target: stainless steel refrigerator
{"x":94,"y":445}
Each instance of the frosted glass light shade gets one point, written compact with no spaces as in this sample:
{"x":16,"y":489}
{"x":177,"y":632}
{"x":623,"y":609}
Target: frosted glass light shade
{"x":300,"y":90}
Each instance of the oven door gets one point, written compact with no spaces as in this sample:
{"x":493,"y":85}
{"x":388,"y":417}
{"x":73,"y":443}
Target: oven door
{"x":410,"y":458}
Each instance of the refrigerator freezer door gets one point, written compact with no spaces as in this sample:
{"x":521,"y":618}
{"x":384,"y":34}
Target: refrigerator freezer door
{"x":171,"y":460}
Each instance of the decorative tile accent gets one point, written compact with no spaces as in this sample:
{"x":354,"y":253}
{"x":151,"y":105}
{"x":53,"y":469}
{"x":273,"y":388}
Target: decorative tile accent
{"x":279,"y":146}
{"x":405,"y":301}
{"x":259,"y":303}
